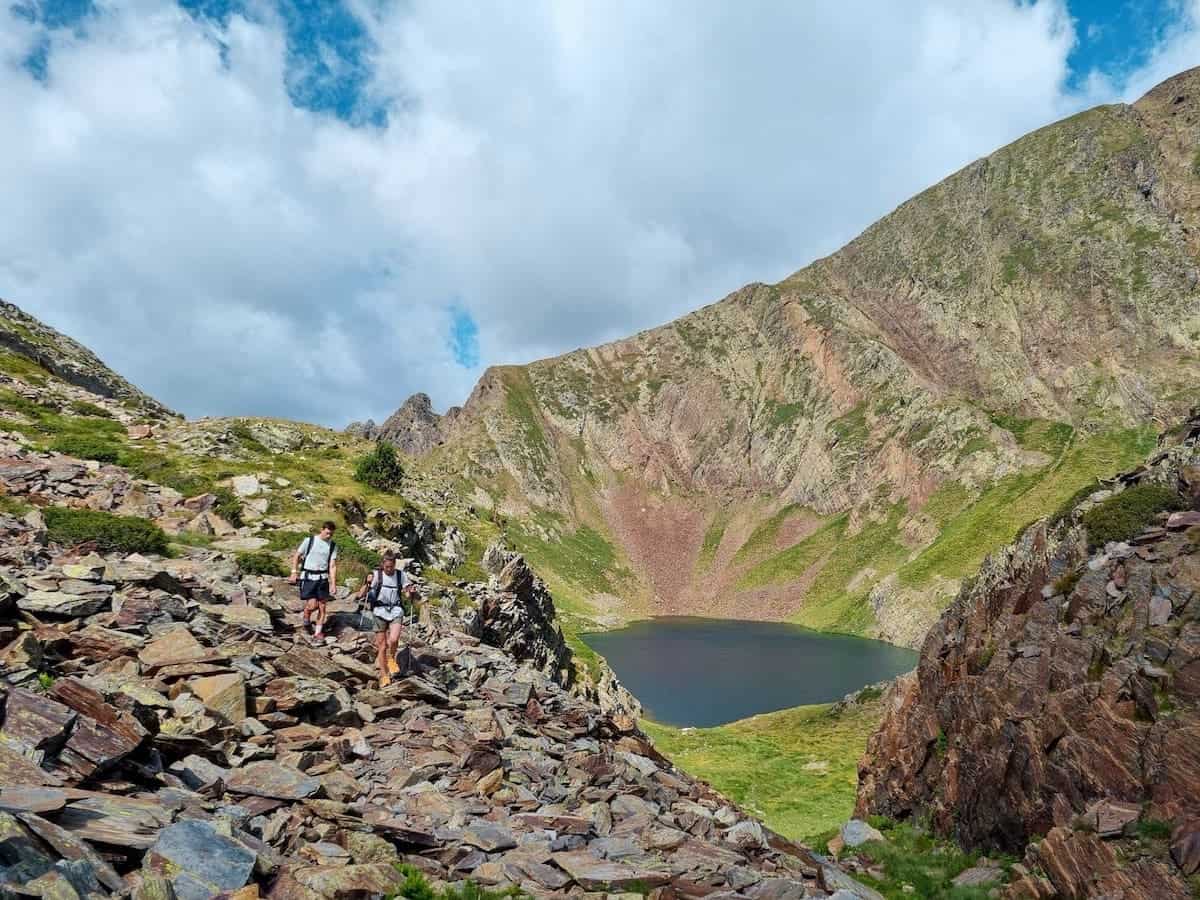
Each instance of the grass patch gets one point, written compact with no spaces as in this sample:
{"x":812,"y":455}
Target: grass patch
{"x":792,"y":563}
{"x":14,"y":506}
{"x":797,"y":768}
{"x":830,"y":603}
{"x":762,"y":539}
{"x":84,"y":408}
{"x":20,"y":367}
{"x":228,"y":506}
{"x":260,"y":564}
{"x":160,"y":469}
{"x":852,"y":429}
{"x":111,"y":534}
{"x":712,"y":541}
{"x":1042,"y":435}
{"x":909,"y":855}
{"x":1124,"y":515}
{"x":85,"y":446}
{"x":246,"y":438}
{"x":1016,"y":500}
{"x":416,"y":886}
{"x":584,"y":557}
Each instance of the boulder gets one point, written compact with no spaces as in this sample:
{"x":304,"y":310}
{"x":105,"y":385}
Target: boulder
{"x":199,"y":861}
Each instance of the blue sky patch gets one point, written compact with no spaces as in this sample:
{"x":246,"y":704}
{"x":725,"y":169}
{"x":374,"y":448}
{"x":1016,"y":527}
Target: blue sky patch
{"x":464,"y":338}
{"x":1117,"y":36}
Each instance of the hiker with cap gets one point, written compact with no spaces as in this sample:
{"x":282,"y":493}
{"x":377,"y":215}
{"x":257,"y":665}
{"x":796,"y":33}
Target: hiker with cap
{"x":314,"y":565}
{"x":385,"y":591}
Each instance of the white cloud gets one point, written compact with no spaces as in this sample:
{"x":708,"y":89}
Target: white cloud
{"x":566,"y":172}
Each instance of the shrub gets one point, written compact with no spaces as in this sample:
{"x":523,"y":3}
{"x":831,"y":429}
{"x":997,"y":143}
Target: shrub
{"x":228,"y":506}
{"x":83,"y":408}
{"x":122,"y":534}
{"x":260,"y":564}
{"x":246,"y":438}
{"x":417,"y":887}
{"x":380,"y":468}
{"x":85,"y":447}
{"x":1124,"y":515}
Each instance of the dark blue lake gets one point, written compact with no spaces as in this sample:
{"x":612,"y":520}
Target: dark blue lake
{"x":702,"y":672}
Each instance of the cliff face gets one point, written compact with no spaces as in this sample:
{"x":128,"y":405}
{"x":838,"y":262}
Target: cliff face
{"x":1057,"y":700}
{"x":1052,"y":284}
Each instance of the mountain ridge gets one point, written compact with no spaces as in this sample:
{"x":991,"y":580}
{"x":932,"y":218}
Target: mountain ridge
{"x":1049,"y":285}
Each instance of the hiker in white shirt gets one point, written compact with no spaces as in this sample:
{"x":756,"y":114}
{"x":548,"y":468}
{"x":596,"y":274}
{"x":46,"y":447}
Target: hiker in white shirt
{"x":385,"y":591}
{"x":314,"y":565}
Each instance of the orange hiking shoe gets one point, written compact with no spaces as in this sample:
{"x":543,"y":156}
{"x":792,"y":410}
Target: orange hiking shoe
{"x":385,"y":681}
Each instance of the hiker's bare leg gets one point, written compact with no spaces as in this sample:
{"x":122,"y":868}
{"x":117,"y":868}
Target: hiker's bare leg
{"x":310,"y":606}
{"x":381,"y":656}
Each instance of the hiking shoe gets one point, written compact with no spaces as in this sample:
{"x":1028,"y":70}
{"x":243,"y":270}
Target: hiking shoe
{"x":384,"y":681}
{"x":393,"y":666}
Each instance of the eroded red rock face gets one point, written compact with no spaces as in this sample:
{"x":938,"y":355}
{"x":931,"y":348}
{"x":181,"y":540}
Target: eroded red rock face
{"x":1056,"y":711}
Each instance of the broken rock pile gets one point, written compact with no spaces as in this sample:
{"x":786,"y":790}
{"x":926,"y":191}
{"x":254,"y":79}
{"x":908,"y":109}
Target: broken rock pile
{"x":166,"y":731}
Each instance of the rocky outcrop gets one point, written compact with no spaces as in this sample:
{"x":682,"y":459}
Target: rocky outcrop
{"x":515,"y":612}
{"x":1055,"y":710}
{"x":414,"y":428}
{"x":166,"y":731}
{"x":69,"y":360}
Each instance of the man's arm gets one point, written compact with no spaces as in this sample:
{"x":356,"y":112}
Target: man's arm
{"x":294,"y":577}
{"x":333,"y":572}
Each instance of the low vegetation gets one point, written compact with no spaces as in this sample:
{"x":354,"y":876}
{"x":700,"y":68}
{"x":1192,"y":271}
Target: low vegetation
{"x":417,"y":887}
{"x":797,"y":768}
{"x":260,"y":564}
{"x":914,"y":863}
{"x":1123,"y":515}
{"x":119,"y":534}
{"x":86,"y":447}
{"x":380,"y":468}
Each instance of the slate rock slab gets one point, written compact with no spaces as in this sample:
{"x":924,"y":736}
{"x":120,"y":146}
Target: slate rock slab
{"x":266,"y":778}
{"x":58,"y":603}
{"x":173,"y":647}
{"x":201,"y":861}
{"x":594,"y":874}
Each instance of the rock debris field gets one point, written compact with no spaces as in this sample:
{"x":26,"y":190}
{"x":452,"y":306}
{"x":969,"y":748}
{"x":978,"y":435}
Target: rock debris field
{"x":167,"y":730}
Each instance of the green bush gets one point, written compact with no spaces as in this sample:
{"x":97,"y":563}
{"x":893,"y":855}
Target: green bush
{"x":246,"y":438}
{"x":417,"y":887}
{"x":380,"y":468}
{"x":350,"y":549}
{"x":86,"y":447}
{"x":260,"y":564}
{"x":1124,"y":515}
{"x":228,"y":506}
{"x":122,"y":534}
{"x":83,"y":408}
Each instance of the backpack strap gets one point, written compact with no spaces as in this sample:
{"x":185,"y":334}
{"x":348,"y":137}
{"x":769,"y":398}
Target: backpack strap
{"x":304,"y":551}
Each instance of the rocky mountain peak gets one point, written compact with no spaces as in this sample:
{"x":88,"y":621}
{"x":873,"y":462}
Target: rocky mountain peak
{"x":414,"y":428}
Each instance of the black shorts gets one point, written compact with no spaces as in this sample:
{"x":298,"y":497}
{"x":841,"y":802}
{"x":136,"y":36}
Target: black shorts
{"x":314,"y":590}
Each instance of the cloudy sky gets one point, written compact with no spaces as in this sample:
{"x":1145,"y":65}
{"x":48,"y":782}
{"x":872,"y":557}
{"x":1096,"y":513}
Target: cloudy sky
{"x":312,"y":208}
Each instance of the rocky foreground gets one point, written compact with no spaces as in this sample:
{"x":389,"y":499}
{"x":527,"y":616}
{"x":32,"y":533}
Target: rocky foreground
{"x":1055,"y":712}
{"x":167,"y":731}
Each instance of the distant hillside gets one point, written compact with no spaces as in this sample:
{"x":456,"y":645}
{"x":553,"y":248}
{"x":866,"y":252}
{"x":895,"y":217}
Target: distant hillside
{"x":21,"y":335}
{"x":842,"y":447}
